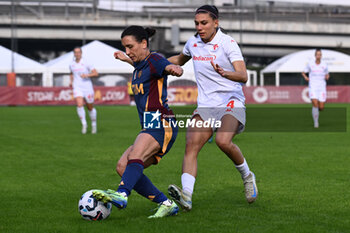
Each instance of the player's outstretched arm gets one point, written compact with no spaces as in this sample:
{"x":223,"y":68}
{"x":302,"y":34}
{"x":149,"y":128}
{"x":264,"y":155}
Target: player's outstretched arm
{"x":180,"y":59}
{"x":239,"y":75}
{"x":121,"y":56}
{"x":174,"y":70}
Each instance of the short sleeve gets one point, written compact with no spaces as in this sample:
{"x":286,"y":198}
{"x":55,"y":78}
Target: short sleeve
{"x":307,"y":68}
{"x":233,"y":51}
{"x":186,"y":49}
{"x":326,"y":69}
{"x":89,"y":66}
{"x":157,"y":65}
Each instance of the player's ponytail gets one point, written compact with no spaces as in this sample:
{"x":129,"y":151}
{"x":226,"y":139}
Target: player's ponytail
{"x":150,"y":31}
{"x":139,"y":33}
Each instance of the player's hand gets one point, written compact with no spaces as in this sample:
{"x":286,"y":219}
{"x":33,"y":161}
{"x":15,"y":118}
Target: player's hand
{"x":218,"y":69}
{"x":121,"y":56}
{"x":84,"y":75}
{"x":174,"y":70}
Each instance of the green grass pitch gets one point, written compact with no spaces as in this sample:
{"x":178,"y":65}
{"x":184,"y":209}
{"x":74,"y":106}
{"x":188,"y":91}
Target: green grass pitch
{"x":46,"y":165}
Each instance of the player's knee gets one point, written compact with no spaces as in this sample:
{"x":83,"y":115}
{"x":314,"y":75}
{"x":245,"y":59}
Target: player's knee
{"x":223,"y":143}
{"x":320,"y":108}
{"x":120,"y":168}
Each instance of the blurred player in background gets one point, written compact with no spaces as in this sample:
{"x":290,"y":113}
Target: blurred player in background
{"x":83,"y":91}
{"x":220,"y":73}
{"x":318,"y":75}
{"x":149,"y":85}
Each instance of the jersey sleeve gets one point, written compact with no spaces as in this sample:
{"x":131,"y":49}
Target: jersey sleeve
{"x":186,"y":49}
{"x":233,"y":51}
{"x":307,"y":68}
{"x":158,"y":64}
{"x":326,"y":69}
{"x":90,"y":67}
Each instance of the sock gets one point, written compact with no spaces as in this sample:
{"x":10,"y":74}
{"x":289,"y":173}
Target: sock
{"x":187,"y":181}
{"x":315,"y":114}
{"x":93,"y":116}
{"x":243,"y":169}
{"x":146,"y":188}
{"x":167,"y":202}
{"x":132,"y":174}
{"x":81,"y":114}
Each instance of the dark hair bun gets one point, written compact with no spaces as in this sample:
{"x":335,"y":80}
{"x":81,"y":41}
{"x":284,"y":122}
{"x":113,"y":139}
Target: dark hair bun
{"x":150,"y":31}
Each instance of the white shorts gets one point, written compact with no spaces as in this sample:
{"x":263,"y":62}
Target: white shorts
{"x":319,"y":93}
{"x":233,"y":107}
{"x":88,"y":95}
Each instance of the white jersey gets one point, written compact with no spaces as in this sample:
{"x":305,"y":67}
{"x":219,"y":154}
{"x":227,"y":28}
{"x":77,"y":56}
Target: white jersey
{"x":77,"y":70}
{"x":213,"y":89}
{"x":317,"y":73}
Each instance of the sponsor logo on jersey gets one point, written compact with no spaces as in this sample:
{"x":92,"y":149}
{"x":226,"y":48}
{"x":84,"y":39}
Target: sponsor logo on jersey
{"x":209,"y":57}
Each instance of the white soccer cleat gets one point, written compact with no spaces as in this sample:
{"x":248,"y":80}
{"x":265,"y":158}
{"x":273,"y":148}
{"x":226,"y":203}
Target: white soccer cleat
{"x":94,"y":129}
{"x":84,"y":129}
{"x":250,"y":188}
{"x":181,"y":198}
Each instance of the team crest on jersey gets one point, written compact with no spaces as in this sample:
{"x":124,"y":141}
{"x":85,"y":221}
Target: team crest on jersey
{"x":195,"y":45}
{"x":140,"y":73}
{"x":215,"y":46}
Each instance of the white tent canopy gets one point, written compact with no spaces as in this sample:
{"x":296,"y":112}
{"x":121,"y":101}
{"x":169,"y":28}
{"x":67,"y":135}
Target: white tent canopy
{"x":22,"y":64}
{"x":98,"y":54}
{"x":296,"y":62}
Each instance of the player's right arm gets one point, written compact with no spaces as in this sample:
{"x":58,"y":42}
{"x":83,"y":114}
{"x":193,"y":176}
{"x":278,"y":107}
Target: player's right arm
{"x":121,"y":56}
{"x":305,"y":76}
{"x":180,"y":59}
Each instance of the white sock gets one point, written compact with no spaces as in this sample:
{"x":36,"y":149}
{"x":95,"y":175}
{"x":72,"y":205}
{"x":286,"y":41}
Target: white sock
{"x":93,"y":116}
{"x":167,"y":202}
{"x":315,"y":114}
{"x":243,"y":169}
{"x":187,"y":181}
{"x":81,"y":114}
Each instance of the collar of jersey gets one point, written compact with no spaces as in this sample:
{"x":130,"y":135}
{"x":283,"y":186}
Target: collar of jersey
{"x":81,"y":60}
{"x":139,"y":65}
{"x":215,"y":40}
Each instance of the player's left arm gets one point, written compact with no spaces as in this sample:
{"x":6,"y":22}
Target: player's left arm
{"x":239,"y":75}
{"x":327,"y":73}
{"x":327,"y":76}
{"x":93,"y":73}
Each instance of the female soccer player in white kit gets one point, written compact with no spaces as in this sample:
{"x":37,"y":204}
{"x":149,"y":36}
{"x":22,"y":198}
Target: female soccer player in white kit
{"x":81,"y":72}
{"x":318,"y":74}
{"x":220,"y":71}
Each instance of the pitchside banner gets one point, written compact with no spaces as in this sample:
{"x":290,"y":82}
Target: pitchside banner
{"x":293,"y":94}
{"x":59,"y":96}
{"x":180,"y":95}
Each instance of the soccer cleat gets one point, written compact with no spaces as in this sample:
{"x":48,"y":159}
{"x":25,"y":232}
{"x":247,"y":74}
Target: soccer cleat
{"x":112,"y":196}
{"x":210,"y":140}
{"x":316,"y":125}
{"x":181,"y":198}
{"x":84,"y":129}
{"x":164,"y":210}
{"x":250,"y":188}
{"x":94,"y":129}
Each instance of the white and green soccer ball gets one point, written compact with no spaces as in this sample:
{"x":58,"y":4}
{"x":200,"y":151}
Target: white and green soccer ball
{"x":92,"y":209}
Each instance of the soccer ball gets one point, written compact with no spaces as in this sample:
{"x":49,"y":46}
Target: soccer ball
{"x":92,"y":209}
